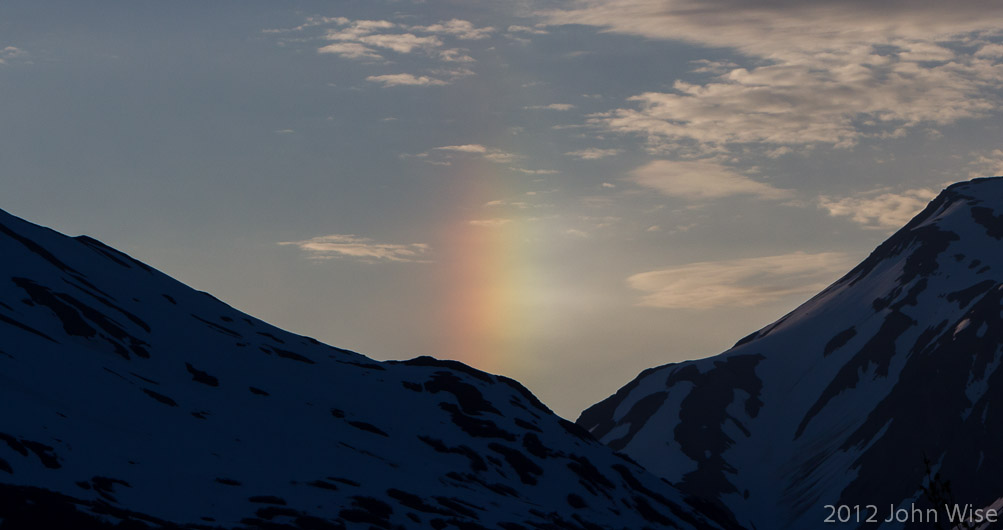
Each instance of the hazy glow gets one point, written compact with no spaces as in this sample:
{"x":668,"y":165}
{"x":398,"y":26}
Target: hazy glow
{"x":487,"y":321}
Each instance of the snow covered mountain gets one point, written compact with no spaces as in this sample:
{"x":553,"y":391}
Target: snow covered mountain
{"x":839,"y":402}
{"x":129,"y":400}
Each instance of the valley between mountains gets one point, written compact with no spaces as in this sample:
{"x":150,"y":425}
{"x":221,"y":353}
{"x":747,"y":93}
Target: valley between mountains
{"x":129,"y":400}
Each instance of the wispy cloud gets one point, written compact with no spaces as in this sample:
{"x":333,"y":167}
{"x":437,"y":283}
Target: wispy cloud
{"x":593,"y":153}
{"x":990,"y":50}
{"x":880,"y":209}
{"x":455,"y":56}
{"x":701,"y":179}
{"x":490,"y":223}
{"x":401,"y":38}
{"x":397,"y":42}
{"x":487,"y":153}
{"x":461,"y":29}
{"x":600,"y":221}
{"x":501,"y":157}
{"x":382,"y":40}
{"x":311,"y":22}
{"x":350,"y":50}
{"x":986,"y":164}
{"x":740,"y":282}
{"x":11,"y":52}
{"x":353,"y":30}
{"x":827,"y":72}
{"x":552,"y":106}
{"x":360,"y":248}
{"x":532,"y":30}
{"x":465,"y":148}
{"x":535,"y":171}
{"x":390,"y":80}
{"x":522,"y":205}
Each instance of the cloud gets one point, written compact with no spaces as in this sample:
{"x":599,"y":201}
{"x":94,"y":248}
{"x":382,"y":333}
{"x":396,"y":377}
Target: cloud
{"x":779,"y":152}
{"x":740,"y":282}
{"x":489,"y":223}
{"x":350,"y":50}
{"x":400,"y":43}
{"x":461,"y":29}
{"x":390,"y":80}
{"x":987,"y":164}
{"x":827,"y":72}
{"x":593,"y":153}
{"x":603,"y":221}
{"x":311,"y":22}
{"x":10,"y":52}
{"x":365,"y":34}
{"x":455,"y":56}
{"x":527,"y":29}
{"x":552,"y":106}
{"x":759,"y":26}
{"x":378,"y":40}
{"x":466,"y":148}
{"x":360,"y":248}
{"x":358,"y":28}
{"x":879,"y":211}
{"x":490,"y":154}
{"x":990,"y":50}
{"x":701,"y":179}
{"x":714,"y":67}
{"x":535,"y":171}
{"x":501,"y":157}
{"x":522,"y":205}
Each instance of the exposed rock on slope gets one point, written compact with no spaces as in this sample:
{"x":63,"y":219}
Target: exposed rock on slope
{"x":839,"y":401}
{"x":127,"y":397}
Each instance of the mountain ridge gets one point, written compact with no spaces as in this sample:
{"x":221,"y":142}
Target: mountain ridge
{"x":839,"y":401}
{"x":134,"y":401}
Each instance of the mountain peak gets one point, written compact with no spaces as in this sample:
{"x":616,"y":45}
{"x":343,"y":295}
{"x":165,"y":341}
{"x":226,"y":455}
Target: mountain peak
{"x":132,"y":400}
{"x":840,"y":401}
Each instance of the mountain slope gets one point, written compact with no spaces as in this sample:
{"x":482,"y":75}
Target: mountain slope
{"x":130,"y":399}
{"x":840,"y":401}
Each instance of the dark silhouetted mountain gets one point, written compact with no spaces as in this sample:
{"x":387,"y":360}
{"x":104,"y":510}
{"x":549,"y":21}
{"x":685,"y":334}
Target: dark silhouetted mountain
{"x":840,"y":401}
{"x":128,"y":400}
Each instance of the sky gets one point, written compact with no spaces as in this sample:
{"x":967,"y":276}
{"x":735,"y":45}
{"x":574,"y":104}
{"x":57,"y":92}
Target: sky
{"x":563,"y":192}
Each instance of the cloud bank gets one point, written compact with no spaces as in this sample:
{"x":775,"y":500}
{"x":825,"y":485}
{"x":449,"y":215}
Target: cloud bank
{"x":701,"y":179}
{"x":740,"y":282}
{"x":877,"y":210}
{"x":360,"y":248}
{"x":826,"y":72}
